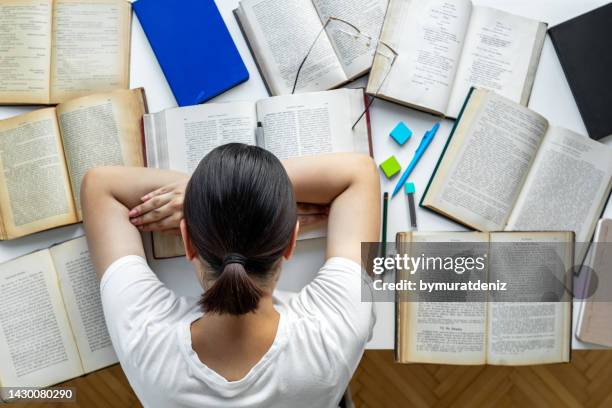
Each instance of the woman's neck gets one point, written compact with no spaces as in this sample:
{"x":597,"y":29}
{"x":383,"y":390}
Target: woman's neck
{"x":219,"y":323}
{"x":232,"y":345}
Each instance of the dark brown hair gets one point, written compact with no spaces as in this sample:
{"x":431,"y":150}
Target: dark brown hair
{"x":240,"y":213}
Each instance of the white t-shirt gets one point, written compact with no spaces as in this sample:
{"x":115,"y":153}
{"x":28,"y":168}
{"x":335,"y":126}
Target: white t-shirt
{"x":321,"y":336}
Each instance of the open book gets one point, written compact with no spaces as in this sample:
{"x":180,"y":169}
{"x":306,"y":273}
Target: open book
{"x":480,"y":329}
{"x":44,"y":155}
{"x":291,"y":125}
{"x":56,"y":50}
{"x":505,"y":168}
{"x":595,"y":316}
{"x":446,"y":47}
{"x":280,"y":33}
{"x":52,"y":325}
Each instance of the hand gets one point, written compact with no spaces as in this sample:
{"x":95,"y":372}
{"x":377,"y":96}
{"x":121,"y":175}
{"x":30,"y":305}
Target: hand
{"x":161,"y":210}
{"x":312,"y":214}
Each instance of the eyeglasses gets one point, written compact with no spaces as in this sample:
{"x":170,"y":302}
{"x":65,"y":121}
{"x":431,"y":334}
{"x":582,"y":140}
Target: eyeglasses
{"x":371,"y":99}
{"x":355,"y":33}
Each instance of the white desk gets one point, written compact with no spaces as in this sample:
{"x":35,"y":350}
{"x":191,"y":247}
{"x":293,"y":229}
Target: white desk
{"x":551,"y":97}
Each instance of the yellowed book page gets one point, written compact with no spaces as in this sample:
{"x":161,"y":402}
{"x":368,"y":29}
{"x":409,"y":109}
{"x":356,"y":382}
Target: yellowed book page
{"x":444,"y":332}
{"x":90,"y":47}
{"x":25,"y":51}
{"x":81,"y":293}
{"x":487,"y":161}
{"x":523,"y":331}
{"x":35,"y":192}
{"x":167,"y":246}
{"x":101,"y":130}
{"x":403,"y":242}
{"x":36,"y":344}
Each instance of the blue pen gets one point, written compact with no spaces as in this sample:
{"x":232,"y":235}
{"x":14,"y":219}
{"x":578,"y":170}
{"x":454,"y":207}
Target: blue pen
{"x":425,"y":142}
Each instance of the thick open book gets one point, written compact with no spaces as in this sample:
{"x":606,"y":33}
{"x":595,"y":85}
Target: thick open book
{"x":55,"y":50}
{"x":280,"y":33}
{"x":595,"y":317}
{"x":291,"y":125}
{"x":446,"y":47}
{"x":52,"y":325}
{"x":44,"y":155}
{"x":435,"y":328}
{"x":505,"y":168}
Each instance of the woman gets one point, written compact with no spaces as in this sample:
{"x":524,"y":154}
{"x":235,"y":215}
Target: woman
{"x":238,"y":346}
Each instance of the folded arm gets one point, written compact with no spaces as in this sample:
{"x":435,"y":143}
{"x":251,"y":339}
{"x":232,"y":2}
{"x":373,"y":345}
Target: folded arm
{"x":107,"y":195}
{"x":350,"y":184}
{"x":346,"y":183}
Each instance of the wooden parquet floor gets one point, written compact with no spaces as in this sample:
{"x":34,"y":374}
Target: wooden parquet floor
{"x":586,"y":382}
{"x":378,"y":382}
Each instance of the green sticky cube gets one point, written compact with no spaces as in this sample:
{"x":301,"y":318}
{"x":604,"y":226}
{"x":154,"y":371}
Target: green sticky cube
{"x":390,"y":167}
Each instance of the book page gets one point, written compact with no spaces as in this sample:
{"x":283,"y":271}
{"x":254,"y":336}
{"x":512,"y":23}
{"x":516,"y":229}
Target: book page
{"x":25,"y":51}
{"x":90,"y":48}
{"x":311,"y":124}
{"x":36,"y":344}
{"x":594,"y":321}
{"x":167,"y":245}
{"x":428,"y":36}
{"x":438,"y":330}
{"x":487,"y":161}
{"x":354,"y":52}
{"x":567,"y":187}
{"x":101,"y":130}
{"x":183,"y":136}
{"x":521,"y":329}
{"x":280,"y":33}
{"x":81,"y":293}
{"x":179,"y":138}
{"x":35,"y":191}
{"x":497,"y":55}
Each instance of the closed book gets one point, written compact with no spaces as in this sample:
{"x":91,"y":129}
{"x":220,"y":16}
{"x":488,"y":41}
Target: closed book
{"x":193,"y":47}
{"x":583,"y":45}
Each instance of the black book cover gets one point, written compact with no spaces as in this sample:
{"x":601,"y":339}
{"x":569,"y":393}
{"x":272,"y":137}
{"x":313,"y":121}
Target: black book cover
{"x":584,"y":47}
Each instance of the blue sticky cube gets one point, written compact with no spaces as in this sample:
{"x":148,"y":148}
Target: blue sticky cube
{"x":401,"y":133}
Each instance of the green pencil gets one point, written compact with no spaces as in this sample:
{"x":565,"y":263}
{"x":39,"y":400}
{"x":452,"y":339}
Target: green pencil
{"x":383,"y":239}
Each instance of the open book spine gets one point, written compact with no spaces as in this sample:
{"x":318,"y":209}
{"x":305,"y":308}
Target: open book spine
{"x":402,"y":242}
{"x":368,"y":122}
{"x":593,"y":325}
{"x":3,"y":235}
{"x":252,"y":51}
{"x":142,"y":126}
{"x":448,"y":142}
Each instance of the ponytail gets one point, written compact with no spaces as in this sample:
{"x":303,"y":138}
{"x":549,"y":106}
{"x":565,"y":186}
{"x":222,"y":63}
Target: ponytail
{"x":234,"y":292}
{"x":240,"y":214}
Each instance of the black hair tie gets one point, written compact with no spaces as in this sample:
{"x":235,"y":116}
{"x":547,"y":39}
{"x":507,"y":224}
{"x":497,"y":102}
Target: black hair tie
{"x":233,"y":258}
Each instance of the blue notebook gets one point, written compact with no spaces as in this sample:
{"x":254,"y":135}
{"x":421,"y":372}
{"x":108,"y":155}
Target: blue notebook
{"x":193,"y":47}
